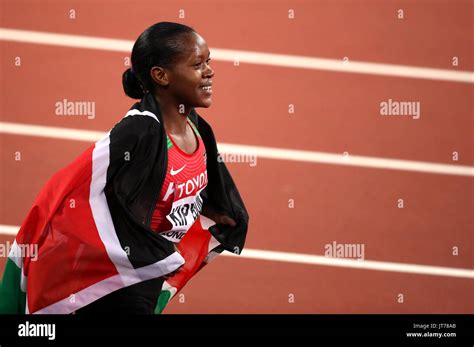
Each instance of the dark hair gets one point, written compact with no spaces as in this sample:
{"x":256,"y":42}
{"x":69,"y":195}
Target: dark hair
{"x":159,"y":45}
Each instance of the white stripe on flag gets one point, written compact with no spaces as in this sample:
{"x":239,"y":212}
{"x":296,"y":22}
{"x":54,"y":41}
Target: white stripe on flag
{"x":100,"y":211}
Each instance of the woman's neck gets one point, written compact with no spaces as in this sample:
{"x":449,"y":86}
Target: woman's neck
{"x":174,"y":115}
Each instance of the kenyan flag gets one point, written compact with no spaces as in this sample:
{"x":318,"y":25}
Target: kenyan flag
{"x":86,"y":243}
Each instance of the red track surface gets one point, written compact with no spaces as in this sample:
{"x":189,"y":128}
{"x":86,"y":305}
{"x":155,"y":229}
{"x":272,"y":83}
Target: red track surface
{"x":335,"y":112}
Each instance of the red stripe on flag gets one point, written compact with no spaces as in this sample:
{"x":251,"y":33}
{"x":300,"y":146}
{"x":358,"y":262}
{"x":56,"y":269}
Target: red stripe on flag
{"x":71,"y":255}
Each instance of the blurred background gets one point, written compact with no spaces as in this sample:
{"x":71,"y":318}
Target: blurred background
{"x":350,"y":125}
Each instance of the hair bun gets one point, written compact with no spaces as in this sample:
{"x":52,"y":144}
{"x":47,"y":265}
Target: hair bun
{"x":132,"y":85}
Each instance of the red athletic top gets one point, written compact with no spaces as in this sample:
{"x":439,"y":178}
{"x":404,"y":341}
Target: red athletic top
{"x":179,"y":203}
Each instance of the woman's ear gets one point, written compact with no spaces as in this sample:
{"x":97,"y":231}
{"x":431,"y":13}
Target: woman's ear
{"x":159,"y":76}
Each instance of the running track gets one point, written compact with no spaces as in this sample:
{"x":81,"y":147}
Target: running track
{"x":335,"y":112}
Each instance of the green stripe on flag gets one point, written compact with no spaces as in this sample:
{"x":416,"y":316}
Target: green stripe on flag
{"x":12,"y":299}
{"x":163,"y":300}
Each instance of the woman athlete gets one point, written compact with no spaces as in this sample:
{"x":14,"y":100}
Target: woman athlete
{"x":149,"y":180}
{"x":172,"y":62}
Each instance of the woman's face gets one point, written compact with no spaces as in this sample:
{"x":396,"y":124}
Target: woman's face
{"x":190,"y":80}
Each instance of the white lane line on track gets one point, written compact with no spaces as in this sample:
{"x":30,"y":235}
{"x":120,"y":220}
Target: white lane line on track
{"x":259,"y":151}
{"x":51,"y":132}
{"x":259,"y":58}
{"x":310,"y":259}
{"x":354,"y":263}
{"x":9,"y":229}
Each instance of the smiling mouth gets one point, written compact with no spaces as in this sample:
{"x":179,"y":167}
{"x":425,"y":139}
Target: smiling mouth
{"x":207,"y":89}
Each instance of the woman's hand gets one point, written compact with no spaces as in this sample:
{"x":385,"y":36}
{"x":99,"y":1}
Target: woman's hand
{"x":219,"y":218}
{"x":171,"y":274}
